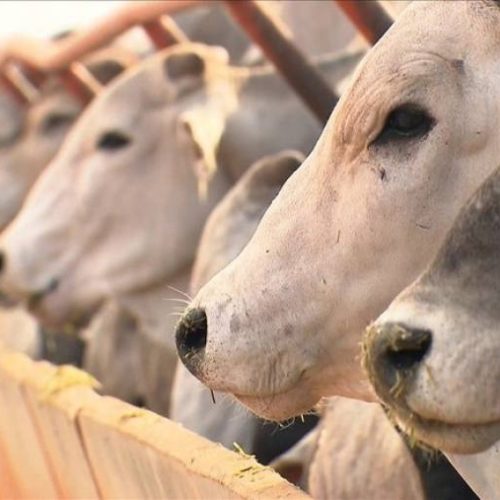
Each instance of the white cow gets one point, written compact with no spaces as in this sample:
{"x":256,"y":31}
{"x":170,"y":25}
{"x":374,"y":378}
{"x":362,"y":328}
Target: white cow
{"x":432,"y":355}
{"x":29,"y":139}
{"x":408,"y":143}
{"x":439,"y":338}
{"x":71,"y":246}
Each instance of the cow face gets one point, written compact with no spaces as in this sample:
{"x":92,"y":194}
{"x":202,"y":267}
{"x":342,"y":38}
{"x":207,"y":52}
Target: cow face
{"x":433,"y":354}
{"x":408,"y":143}
{"x":123,"y":186}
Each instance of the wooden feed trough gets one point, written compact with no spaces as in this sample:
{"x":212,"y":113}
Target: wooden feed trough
{"x":60,"y":439}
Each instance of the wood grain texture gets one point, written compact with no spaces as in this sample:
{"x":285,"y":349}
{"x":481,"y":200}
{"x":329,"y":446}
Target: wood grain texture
{"x":60,"y":439}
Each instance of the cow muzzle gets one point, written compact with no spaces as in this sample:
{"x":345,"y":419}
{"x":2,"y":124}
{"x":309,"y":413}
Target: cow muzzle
{"x":393,"y":353}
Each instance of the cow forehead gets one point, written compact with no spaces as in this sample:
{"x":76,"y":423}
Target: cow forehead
{"x":143,"y":88}
{"x":431,"y":45}
{"x":121,"y":105}
{"x":446,"y":31}
{"x":140,"y":88}
{"x":449,"y":28}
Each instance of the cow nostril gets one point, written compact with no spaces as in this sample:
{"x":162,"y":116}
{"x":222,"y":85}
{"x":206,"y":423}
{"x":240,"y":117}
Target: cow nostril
{"x":191,"y":333}
{"x":393,"y":353}
{"x":407,"y":346}
{"x":2,"y":261}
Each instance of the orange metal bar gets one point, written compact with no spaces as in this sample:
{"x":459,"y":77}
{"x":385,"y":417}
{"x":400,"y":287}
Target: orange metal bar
{"x":35,"y":77}
{"x":290,"y":62}
{"x":164,"y":32}
{"x":80,"y":82}
{"x":7,"y":82}
{"x":369,"y":17}
{"x":38,"y":58}
{"x":14,"y":80}
{"x":50,"y":57}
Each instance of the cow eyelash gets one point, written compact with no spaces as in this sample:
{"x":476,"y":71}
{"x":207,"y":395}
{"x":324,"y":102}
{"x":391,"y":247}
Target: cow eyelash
{"x":113,"y":140}
{"x":405,"y":122}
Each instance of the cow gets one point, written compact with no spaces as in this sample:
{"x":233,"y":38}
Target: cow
{"x":70,"y":247}
{"x":279,"y":327}
{"x":432,"y":355}
{"x":29,"y":139}
{"x":443,"y":325}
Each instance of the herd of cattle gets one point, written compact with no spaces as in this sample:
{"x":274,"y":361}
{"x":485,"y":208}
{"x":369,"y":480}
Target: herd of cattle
{"x":196,"y":209}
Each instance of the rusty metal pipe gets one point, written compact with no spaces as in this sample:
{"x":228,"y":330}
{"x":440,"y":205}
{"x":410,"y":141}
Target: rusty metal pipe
{"x":164,"y":33}
{"x":80,"y":82}
{"x":14,"y":89}
{"x":369,"y":17}
{"x":290,"y":62}
{"x":52,"y":57}
{"x":32,"y":75}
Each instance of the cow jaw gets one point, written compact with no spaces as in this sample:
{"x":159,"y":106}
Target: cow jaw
{"x":357,"y":222}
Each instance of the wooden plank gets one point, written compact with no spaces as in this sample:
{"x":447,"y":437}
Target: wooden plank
{"x":138,"y":454}
{"x":55,"y":401}
{"x":8,"y":487}
{"x":59,"y":439}
{"x":24,"y":456}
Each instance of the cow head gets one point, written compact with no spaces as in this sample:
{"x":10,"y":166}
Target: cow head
{"x":409,"y":141}
{"x":27,"y":149}
{"x":118,"y":208}
{"x":433,"y":354}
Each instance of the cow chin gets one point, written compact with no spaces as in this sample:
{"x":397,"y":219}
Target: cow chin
{"x":283,"y":406}
{"x":461,"y":438}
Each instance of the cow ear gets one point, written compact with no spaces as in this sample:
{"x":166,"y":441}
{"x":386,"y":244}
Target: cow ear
{"x":107,"y":64}
{"x":184,"y":65}
{"x":204,"y":122}
{"x":187,"y":70}
{"x":105,"y":71}
{"x":204,"y":125}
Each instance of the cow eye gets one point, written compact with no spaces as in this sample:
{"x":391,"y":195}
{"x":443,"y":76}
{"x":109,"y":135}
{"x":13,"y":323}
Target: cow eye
{"x":55,"y":121}
{"x":113,"y":140}
{"x":405,"y":122}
